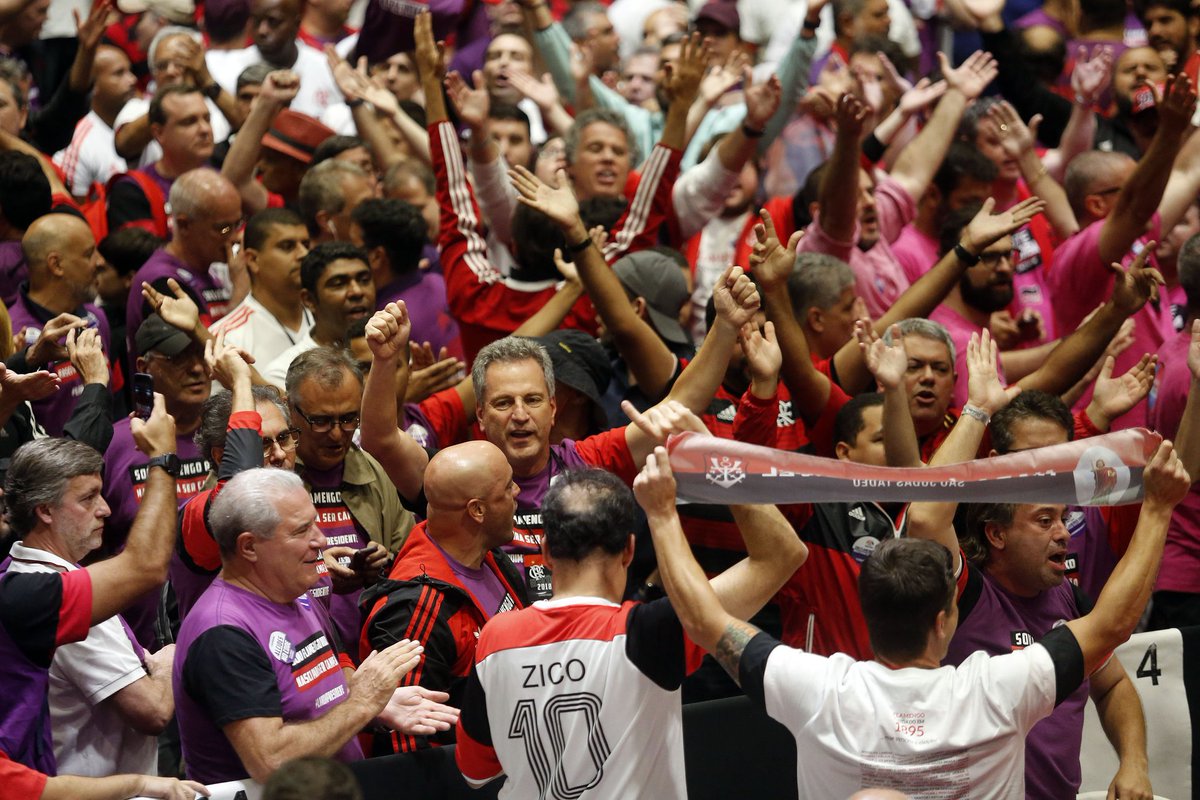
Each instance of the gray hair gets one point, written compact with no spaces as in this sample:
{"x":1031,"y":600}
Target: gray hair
{"x":167,"y":33}
{"x":919,"y":326}
{"x":214,"y":416}
{"x":817,"y":281}
{"x":321,"y":188}
{"x":254,"y":75}
{"x":14,"y":73}
{"x":594,"y":115}
{"x":968,"y":127}
{"x":407,"y":168}
{"x":325,"y":365}
{"x":503,"y":351}
{"x":575,"y":21}
{"x":38,"y":475}
{"x":193,"y":192}
{"x":248,"y":503}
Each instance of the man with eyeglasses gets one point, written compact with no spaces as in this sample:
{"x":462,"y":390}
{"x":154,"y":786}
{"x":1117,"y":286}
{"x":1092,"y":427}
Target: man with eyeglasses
{"x":206,"y":212}
{"x":357,"y":502}
{"x":176,"y":364}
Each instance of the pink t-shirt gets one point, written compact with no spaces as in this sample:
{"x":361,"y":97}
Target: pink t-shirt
{"x":1180,"y":571}
{"x":1079,"y":281}
{"x":960,"y":330}
{"x":879,"y":277}
{"x":916,"y":251}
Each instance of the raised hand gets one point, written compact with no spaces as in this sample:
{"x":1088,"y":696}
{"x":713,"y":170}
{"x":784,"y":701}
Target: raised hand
{"x":763,"y":356}
{"x":542,"y":92}
{"x":1092,"y":76}
{"x":921,"y":96}
{"x":1137,"y":285}
{"x":735,"y":298}
{"x":1016,"y":138}
{"x":683,"y":77}
{"x":417,"y":711}
{"x":388,"y":331}
{"x":1165,"y":480}
{"x":771,"y":262}
{"x":567,"y":269}
{"x":279,"y":88}
{"x":660,"y":421}
{"x":986,"y":228}
{"x":984,"y":389}
{"x":887,"y":362}
{"x":27,"y":386}
{"x":557,"y":203}
{"x":179,"y":311}
{"x":49,"y":346}
{"x":227,"y":364}
{"x":86,"y":351}
{"x":1175,"y":108}
{"x":154,"y":436}
{"x":762,"y":99}
{"x":654,"y":486}
{"x":428,"y":54}
{"x":90,"y":30}
{"x":972,"y":76}
{"x":1112,"y":397}
{"x":851,"y":114}
{"x":433,"y":378}
{"x":720,"y":78}
{"x":353,"y":83}
{"x":472,"y":104}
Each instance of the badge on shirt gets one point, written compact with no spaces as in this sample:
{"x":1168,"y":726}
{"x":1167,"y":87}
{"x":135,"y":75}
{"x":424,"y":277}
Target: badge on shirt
{"x":280,"y":647}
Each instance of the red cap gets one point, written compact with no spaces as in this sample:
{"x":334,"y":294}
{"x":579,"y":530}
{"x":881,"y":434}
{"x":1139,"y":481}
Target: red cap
{"x":296,"y":135}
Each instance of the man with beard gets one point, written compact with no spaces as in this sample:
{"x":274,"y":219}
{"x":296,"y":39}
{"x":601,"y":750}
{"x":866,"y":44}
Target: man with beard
{"x":1172,"y":27}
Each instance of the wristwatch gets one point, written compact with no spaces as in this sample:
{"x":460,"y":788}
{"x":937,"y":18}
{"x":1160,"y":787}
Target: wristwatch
{"x":212,"y":91}
{"x":168,"y":461}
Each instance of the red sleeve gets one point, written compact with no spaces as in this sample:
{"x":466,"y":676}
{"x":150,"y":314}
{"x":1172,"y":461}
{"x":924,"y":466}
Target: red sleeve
{"x":1084,"y":427}
{"x":1121,"y":521}
{"x":447,"y":416}
{"x":19,"y":780}
{"x":756,"y":421}
{"x":610,"y":451}
{"x":651,"y":207}
{"x":75,"y":615}
{"x":821,"y":434}
{"x":473,"y":286}
{"x":476,"y":761}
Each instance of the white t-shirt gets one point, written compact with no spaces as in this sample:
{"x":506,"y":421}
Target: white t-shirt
{"x":139,"y":106}
{"x":91,"y":157}
{"x":318,"y":90}
{"x":89,"y":738}
{"x":256,"y":330}
{"x":933,"y":733}
{"x":276,"y":370}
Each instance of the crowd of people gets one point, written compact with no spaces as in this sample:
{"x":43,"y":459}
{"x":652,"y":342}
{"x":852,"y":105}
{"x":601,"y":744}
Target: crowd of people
{"x":343,"y":344}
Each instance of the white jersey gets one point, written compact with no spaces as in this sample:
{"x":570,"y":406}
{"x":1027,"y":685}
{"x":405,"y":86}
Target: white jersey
{"x":578,"y":698}
{"x":276,"y":369}
{"x":91,"y":157}
{"x":256,"y":330}
{"x":140,"y":106}
{"x":318,"y":90}
{"x":932,"y":733}
{"x":90,"y":738}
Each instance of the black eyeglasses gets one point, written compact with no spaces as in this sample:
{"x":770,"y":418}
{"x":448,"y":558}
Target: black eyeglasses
{"x":287,"y":441}
{"x":324,"y":424}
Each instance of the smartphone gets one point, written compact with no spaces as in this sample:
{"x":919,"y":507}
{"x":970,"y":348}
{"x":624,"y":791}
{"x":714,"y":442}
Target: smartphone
{"x":143,"y":395}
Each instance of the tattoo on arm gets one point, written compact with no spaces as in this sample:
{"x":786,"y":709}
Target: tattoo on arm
{"x":728,"y":652}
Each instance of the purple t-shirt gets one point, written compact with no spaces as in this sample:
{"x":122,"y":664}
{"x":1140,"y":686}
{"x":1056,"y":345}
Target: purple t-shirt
{"x":286,"y":666}
{"x":124,"y":483}
{"x":1000,"y":622}
{"x":482,"y":583}
{"x":54,"y":411}
{"x":13,"y":270}
{"x":424,"y":293}
{"x":211,"y":295}
{"x":388,"y":25}
{"x":1180,"y":571}
{"x":341,"y":530}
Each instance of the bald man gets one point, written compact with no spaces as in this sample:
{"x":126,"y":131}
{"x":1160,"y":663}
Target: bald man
{"x":449,"y":577}
{"x":63,"y":264}
{"x":206,"y":213}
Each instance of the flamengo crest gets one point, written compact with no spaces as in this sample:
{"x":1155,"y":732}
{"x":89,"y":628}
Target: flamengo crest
{"x":724,"y":471}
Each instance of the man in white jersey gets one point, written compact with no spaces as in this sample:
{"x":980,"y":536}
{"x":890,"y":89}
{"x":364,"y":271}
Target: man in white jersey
{"x":902,"y":720}
{"x":578,"y":696}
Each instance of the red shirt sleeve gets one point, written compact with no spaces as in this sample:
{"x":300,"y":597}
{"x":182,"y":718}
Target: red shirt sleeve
{"x":821,"y":434}
{"x":19,"y":780}
{"x":651,"y":207}
{"x":447,"y":416}
{"x":756,"y":421}
{"x":610,"y":451}
{"x":75,"y":615}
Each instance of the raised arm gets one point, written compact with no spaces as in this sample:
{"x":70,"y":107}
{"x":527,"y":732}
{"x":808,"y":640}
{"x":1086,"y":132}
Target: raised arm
{"x":918,"y":162}
{"x":1018,"y":141}
{"x":1188,"y":435}
{"x":402,"y":458}
{"x":1140,"y":196}
{"x":278,"y":89}
{"x":142,"y":565}
{"x":1127,"y":590}
{"x":705,"y":620}
{"x":985,"y":396}
{"x":839,"y":184}
{"x":888,"y":362}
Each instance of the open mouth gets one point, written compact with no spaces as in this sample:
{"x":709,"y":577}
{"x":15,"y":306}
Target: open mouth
{"x":1059,"y":560}
{"x":925,"y":397}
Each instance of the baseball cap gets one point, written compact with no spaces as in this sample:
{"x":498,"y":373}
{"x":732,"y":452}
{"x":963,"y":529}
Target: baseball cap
{"x":156,"y":334}
{"x":722,"y":12}
{"x":180,"y":12}
{"x":296,"y":135}
{"x":579,"y":362}
{"x":658,"y":279}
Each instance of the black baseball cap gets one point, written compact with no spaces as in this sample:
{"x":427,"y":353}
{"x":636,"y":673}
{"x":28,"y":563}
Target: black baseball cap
{"x":579,"y":362}
{"x":158,"y":335}
{"x":658,"y":279}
